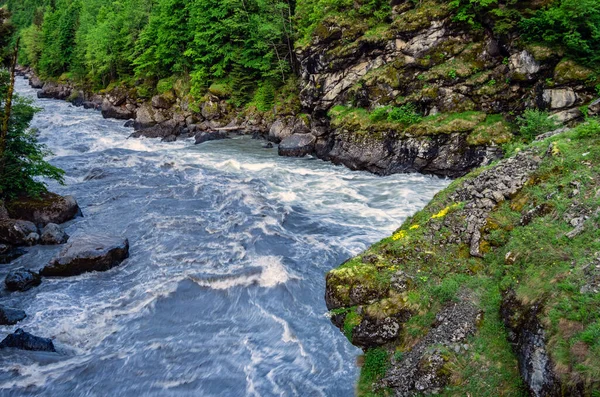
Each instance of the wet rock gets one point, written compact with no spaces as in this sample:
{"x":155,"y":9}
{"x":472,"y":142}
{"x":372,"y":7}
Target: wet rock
{"x":25,"y":341}
{"x":54,"y":91}
{"x":120,"y":112}
{"x":32,"y":239}
{"x":16,"y":232}
{"x":268,"y":145}
{"x":129,"y":124}
{"x":10,"y":316}
{"x":95,"y":173}
{"x":35,"y":82}
{"x":9,"y":253}
{"x":297,"y":145}
{"x":88,"y":254}
{"x":210,"y":136}
{"x":49,"y":208}
{"x":22,"y":280}
{"x":53,"y":234}
{"x":279,"y":130}
{"x":169,"y":138}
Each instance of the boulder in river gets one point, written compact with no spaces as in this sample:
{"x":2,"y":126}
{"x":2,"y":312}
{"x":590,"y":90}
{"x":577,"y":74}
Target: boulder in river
{"x":16,"y":232}
{"x":210,"y":136}
{"x":49,"y":208}
{"x":53,"y":234}
{"x":25,"y":341}
{"x":10,"y":316}
{"x":9,"y":253}
{"x":297,"y":145}
{"x":35,"y":82}
{"x":110,"y":111}
{"x":22,"y":280}
{"x":88,"y":254}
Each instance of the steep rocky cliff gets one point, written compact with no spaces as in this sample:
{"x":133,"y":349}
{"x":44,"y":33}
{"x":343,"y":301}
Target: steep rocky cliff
{"x":469,"y":83}
{"x":497,"y":276}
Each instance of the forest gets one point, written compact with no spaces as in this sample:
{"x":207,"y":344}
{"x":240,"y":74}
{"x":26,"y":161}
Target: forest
{"x":235,"y":43}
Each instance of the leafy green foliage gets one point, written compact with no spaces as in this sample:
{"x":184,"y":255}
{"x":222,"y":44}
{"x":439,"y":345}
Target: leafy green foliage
{"x":571,"y":24}
{"x":375,"y":366}
{"x":535,"y":122}
{"x":406,"y":114}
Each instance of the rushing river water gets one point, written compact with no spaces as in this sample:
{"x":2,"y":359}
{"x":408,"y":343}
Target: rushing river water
{"x":223,"y":292}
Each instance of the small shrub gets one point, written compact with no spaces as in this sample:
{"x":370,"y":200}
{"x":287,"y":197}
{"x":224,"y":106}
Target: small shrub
{"x":405,"y":114}
{"x":164,"y":85}
{"x":452,"y":74}
{"x":535,"y":122}
{"x":588,"y":129}
{"x":379,"y":114}
{"x":375,"y":366}
{"x":264,"y":97}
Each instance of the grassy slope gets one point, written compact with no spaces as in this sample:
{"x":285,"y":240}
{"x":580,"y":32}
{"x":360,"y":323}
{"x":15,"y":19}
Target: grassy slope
{"x":543,"y":266}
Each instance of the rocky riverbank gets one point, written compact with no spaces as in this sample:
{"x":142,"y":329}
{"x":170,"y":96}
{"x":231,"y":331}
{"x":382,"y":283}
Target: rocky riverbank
{"x":513,"y":245}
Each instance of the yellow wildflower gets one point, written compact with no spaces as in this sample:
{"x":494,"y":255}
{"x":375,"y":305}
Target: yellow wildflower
{"x":400,"y":235}
{"x":444,"y":212}
{"x":413,"y":227}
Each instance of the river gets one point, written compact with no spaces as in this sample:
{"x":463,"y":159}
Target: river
{"x":223,"y":292}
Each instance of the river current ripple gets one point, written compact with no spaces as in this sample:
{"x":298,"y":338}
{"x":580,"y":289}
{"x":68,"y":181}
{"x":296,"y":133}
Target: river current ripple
{"x":223,"y":292}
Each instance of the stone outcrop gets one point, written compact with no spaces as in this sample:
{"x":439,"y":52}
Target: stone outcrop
{"x":297,"y":145}
{"x":25,"y":341}
{"x":87,"y":254}
{"x":202,"y":137}
{"x":16,"y":232}
{"x":49,"y":208}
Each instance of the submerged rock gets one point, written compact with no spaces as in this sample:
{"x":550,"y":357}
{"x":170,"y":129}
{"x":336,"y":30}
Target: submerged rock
{"x":22,"y":280}
{"x":210,"y":136}
{"x":88,"y":254}
{"x":297,"y":145}
{"x":95,"y":173}
{"x":9,"y":253}
{"x":16,"y":232}
{"x":25,"y":341}
{"x":10,"y":316}
{"x":53,"y":234}
{"x":49,"y":208}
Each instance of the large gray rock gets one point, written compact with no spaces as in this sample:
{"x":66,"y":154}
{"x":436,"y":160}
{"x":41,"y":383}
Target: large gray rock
{"x":162,"y":102}
{"x":202,"y":137}
{"x":25,"y":341}
{"x":54,"y":91}
{"x":523,"y":66}
{"x":53,"y":234}
{"x":144,"y":117}
{"x":560,"y":98}
{"x":88,"y":254}
{"x":279,"y":130}
{"x":16,"y":232}
{"x":22,"y":280}
{"x":49,"y":208}
{"x":110,"y":111}
{"x":10,"y":316}
{"x":35,"y":82}
{"x":297,"y":145}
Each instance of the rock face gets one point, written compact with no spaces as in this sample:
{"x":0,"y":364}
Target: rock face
{"x":110,"y":110}
{"x":444,"y":155}
{"x":297,"y":145}
{"x":529,"y":341}
{"x":16,"y":232}
{"x":50,"y":208}
{"x":25,"y":341}
{"x":9,"y":316}
{"x":55,"y":91}
{"x":22,"y":280}
{"x":88,"y":254}
{"x":53,"y":234}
